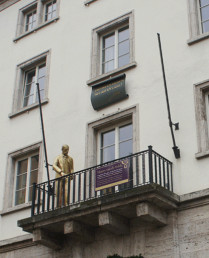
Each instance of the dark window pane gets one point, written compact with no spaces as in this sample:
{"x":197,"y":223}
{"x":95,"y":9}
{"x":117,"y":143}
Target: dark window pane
{"x":41,"y":82}
{"x":42,"y":71}
{"x":42,"y":95}
{"x":22,"y":167}
{"x":21,"y":181}
{"x":123,"y":35}
{"x":54,"y":14}
{"x":123,"y":60}
{"x":109,"y":66}
{"x":29,"y":89}
{"x":109,"y":41}
{"x":108,"y":154}
{"x":125,"y":148}
{"x":29,"y":100}
{"x":205,"y":13}
{"x":108,"y":138}
{"x":123,"y":48}
{"x":20,"y":197}
{"x":204,"y":2}
{"x":125,"y":132}
{"x":30,"y":76}
{"x":30,"y":18}
{"x":30,"y":193}
{"x":49,"y":8}
{"x":108,"y":54}
{"x":49,"y":16}
{"x":34,"y":162}
{"x":33,"y":176}
{"x":205,"y":26}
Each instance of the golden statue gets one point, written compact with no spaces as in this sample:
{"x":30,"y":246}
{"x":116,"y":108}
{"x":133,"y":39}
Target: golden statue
{"x":63,"y":165}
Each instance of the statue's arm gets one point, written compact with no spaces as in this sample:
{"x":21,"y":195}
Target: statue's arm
{"x":56,"y":167}
{"x":72,"y":168}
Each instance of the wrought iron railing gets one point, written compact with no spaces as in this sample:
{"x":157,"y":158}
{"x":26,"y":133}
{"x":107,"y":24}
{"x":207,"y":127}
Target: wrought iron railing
{"x":145,"y":167}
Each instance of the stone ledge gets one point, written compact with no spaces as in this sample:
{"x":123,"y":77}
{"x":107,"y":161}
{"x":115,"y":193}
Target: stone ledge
{"x":6,"y":3}
{"x":194,"y":199}
{"x":109,"y":75}
{"x":87,"y":2}
{"x":16,"y":243}
{"x":35,"y":29}
{"x":28,"y":108}
{"x":198,"y":38}
{"x":201,"y":155}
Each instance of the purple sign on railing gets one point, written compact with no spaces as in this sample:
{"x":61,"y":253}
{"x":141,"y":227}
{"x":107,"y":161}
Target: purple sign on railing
{"x":110,"y":175}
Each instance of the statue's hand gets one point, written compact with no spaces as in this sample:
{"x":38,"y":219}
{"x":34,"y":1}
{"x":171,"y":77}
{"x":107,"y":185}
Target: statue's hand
{"x":62,"y":174}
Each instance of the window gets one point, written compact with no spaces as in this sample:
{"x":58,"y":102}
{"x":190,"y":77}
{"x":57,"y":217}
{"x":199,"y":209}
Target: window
{"x":23,"y":169}
{"x":112,"y":47}
{"x":116,"y":143}
{"x":112,"y":137}
{"x":201,"y":92}
{"x":198,"y":11}
{"x":35,"y":16}
{"x":26,"y":175}
{"x":115,"y":50}
{"x":51,"y":9}
{"x":204,"y":11}
{"x":30,"y":22}
{"x":36,"y":75}
{"x":35,"y":70}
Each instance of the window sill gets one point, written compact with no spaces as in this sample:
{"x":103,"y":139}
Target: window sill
{"x":202,"y":154}
{"x":110,"y":74}
{"x":34,"y":30}
{"x":15,"y":208}
{"x":198,"y":38}
{"x":28,"y":108}
{"x":87,"y":2}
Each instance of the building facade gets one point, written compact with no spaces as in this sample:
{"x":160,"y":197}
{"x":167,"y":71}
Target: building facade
{"x":98,"y":66}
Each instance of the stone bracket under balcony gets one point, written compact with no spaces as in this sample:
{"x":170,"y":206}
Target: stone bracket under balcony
{"x":149,"y":203}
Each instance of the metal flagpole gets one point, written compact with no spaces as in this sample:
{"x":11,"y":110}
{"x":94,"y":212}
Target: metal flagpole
{"x":175,"y":148}
{"x":44,"y":140}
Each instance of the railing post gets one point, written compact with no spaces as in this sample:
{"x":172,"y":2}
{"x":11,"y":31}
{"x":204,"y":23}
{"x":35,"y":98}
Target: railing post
{"x":150,"y":164}
{"x":33,"y":199}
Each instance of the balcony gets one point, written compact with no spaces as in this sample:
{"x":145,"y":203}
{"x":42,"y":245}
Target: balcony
{"x":102,"y":197}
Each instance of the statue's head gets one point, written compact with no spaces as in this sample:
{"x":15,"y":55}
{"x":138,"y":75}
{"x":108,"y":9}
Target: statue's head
{"x":65,"y":149}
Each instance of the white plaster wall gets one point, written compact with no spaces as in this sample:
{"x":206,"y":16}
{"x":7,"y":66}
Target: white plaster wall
{"x":69,"y":108}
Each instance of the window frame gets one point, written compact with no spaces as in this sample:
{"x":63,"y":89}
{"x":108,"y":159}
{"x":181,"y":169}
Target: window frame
{"x":36,"y":69}
{"x":17,"y":107}
{"x":13,"y":157}
{"x":28,"y":158}
{"x":114,"y":32}
{"x":201,"y":90}
{"x":196,"y":33}
{"x":45,"y":9}
{"x":130,"y":114}
{"x":40,"y":6}
{"x":116,"y":127}
{"x":97,"y":34}
{"x":31,"y":12}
